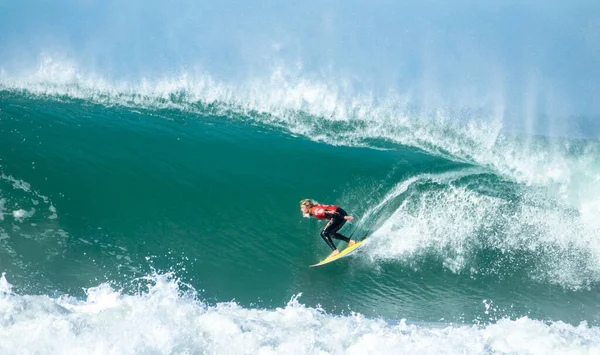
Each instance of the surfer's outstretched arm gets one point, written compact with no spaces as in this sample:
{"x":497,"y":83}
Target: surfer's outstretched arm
{"x":333,"y":213}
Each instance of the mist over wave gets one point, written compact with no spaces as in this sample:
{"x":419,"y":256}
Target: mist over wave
{"x":335,"y":111}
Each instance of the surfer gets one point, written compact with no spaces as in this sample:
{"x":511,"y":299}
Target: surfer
{"x":337,"y":218}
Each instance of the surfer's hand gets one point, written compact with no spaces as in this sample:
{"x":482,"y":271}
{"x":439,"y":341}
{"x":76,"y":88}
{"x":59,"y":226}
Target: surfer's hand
{"x":348,"y":218}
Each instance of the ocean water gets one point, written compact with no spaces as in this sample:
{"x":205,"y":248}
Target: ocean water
{"x":163,"y":217}
{"x":153,"y":155}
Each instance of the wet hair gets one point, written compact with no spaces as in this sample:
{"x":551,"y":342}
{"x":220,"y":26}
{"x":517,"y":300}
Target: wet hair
{"x":307,"y":202}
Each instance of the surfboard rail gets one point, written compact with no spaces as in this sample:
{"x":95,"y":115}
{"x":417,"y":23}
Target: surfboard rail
{"x":342,"y":254}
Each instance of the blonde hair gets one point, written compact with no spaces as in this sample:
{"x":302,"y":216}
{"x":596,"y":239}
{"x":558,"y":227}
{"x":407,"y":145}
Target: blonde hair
{"x":306,"y":202}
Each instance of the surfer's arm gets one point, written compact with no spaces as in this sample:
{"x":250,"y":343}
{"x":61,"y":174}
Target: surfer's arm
{"x":347,"y":218}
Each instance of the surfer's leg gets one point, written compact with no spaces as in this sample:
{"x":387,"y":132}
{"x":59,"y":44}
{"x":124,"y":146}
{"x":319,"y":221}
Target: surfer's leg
{"x":325,"y":234}
{"x":328,"y":240}
{"x":346,"y":239}
{"x":337,"y":222}
{"x":341,"y":237}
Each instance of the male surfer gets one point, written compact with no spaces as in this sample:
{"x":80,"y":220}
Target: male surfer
{"x":337,"y":218}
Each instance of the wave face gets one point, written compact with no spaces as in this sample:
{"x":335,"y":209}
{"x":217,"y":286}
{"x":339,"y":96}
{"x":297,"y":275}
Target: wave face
{"x":474,"y":232}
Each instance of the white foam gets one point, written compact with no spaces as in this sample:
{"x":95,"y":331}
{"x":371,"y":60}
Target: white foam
{"x":454,"y":223}
{"x":21,"y":214}
{"x":52,"y":209}
{"x":2,"y":202}
{"x":5,"y":287}
{"x":17,"y":184}
{"x":163,"y":321}
{"x":444,"y":221}
{"x":22,"y":196}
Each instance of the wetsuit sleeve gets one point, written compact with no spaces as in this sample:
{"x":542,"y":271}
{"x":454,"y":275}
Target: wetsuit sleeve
{"x":319,"y":213}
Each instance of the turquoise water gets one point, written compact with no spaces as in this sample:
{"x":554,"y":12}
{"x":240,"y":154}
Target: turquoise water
{"x":125,"y":209}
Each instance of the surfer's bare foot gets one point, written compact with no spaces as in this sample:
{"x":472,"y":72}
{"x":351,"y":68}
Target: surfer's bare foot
{"x":351,"y":243}
{"x":335,"y":252}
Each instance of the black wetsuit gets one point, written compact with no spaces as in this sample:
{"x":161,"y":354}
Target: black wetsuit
{"x":335,"y":223}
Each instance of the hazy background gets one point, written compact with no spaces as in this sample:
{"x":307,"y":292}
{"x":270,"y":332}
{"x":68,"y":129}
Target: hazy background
{"x":534,"y":63}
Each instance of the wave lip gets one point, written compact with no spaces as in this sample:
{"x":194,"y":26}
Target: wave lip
{"x":332,"y":111}
{"x":166,"y":320}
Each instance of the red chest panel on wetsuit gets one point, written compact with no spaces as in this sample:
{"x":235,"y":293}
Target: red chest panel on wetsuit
{"x":319,"y":211}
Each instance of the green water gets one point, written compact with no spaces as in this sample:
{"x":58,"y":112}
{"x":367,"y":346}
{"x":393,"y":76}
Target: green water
{"x":119,"y":192}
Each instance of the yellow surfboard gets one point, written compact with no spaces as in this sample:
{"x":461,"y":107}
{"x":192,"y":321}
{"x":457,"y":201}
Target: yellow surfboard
{"x":342,"y":254}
